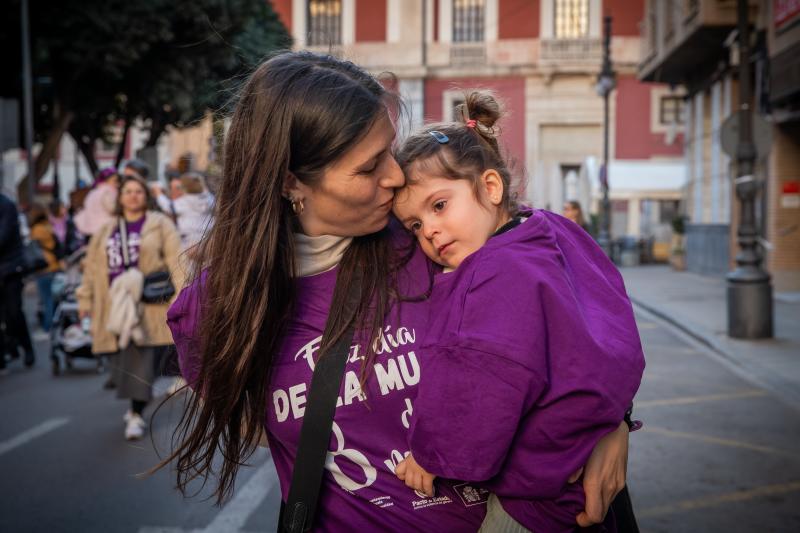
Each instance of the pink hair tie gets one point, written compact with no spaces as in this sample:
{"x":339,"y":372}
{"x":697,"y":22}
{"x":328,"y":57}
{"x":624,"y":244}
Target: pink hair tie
{"x":471,"y":123}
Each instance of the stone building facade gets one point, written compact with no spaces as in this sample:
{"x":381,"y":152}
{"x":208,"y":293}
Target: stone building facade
{"x":693,"y":45}
{"x":542,"y":57}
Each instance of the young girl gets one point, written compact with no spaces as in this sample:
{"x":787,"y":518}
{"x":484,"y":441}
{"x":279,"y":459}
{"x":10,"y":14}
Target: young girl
{"x":532,"y":354}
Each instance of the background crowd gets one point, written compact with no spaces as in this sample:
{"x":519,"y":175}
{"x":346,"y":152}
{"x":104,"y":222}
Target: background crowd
{"x":85,"y":260}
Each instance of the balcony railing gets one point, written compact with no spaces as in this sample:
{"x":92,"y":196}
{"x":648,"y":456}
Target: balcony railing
{"x":462,"y":54}
{"x":571,"y":50}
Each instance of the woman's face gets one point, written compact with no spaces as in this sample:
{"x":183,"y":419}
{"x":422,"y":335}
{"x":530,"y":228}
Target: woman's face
{"x":133,"y":197}
{"x":570,"y":212}
{"x":354,"y":196}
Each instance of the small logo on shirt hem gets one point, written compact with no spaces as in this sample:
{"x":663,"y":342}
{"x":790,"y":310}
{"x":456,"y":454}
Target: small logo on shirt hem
{"x":470,"y":495}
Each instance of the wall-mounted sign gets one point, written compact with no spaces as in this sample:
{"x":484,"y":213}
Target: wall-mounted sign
{"x":784,"y":11}
{"x":790,"y":194}
{"x":791,"y":187}
{"x":790,"y":201}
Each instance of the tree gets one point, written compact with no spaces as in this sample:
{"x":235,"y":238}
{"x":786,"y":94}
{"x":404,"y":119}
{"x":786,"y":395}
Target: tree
{"x":165,"y":62}
{"x":211,"y":44}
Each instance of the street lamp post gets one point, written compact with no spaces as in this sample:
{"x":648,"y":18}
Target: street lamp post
{"x":606,"y":82}
{"x":749,"y":287}
{"x":27,"y":98}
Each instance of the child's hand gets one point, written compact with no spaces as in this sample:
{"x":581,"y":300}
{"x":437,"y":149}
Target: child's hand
{"x":415,"y":476}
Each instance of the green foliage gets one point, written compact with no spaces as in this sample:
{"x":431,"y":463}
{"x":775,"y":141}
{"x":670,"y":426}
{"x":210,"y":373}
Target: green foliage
{"x":164,"y":61}
{"x":210,"y":44}
{"x":679,"y":225}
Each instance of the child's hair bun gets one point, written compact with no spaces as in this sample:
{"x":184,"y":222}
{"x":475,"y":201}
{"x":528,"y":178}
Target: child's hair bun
{"x":482,"y":107}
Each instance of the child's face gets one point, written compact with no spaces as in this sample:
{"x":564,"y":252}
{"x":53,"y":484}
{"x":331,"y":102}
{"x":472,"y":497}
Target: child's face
{"x":449,"y":222}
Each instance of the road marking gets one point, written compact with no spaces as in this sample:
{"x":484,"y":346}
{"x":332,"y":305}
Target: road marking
{"x":716,"y":440}
{"x":719,"y":499}
{"x":37,"y":431}
{"x":234,"y":515}
{"x":685,"y":400}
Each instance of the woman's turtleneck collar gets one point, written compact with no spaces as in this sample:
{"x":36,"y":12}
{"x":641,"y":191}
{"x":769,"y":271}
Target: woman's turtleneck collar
{"x":318,"y":254}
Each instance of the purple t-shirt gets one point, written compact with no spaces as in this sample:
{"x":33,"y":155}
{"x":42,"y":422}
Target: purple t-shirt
{"x":116,"y":264}
{"x":532,"y":355}
{"x":360,"y":491}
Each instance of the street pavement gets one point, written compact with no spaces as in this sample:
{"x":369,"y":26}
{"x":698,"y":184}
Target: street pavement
{"x":718,"y":452}
{"x":65,"y":466}
{"x":697,"y":305}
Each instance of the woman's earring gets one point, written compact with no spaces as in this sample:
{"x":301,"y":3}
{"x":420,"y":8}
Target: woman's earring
{"x":297,"y":206}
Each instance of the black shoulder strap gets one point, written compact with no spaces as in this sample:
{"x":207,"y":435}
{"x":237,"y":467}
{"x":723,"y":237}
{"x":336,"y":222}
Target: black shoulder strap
{"x":309,"y":465}
{"x":123,"y":236}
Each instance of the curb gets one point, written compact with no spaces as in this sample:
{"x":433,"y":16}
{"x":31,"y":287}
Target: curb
{"x":785,"y":391}
{"x":695,"y":333}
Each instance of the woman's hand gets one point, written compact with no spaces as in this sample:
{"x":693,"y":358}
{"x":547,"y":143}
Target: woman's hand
{"x":84,"y":314}
{"x":415,"y":476}
{"x":604,"y":475}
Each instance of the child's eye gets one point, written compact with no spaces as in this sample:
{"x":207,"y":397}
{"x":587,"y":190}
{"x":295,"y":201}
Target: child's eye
{"x":438,"y":206}
{"x":415,"y":227}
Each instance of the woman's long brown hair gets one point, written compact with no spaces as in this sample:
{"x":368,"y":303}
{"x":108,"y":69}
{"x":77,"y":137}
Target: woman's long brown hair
{"x":298,"y":113}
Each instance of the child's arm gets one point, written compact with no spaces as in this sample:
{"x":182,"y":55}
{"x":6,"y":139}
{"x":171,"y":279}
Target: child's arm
{"x":415,"y":476}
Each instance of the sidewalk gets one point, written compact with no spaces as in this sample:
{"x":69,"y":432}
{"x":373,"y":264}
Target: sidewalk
{"x":697,"y":305}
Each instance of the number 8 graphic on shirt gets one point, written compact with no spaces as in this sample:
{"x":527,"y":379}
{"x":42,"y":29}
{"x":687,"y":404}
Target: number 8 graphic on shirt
{"x":356,"y":457}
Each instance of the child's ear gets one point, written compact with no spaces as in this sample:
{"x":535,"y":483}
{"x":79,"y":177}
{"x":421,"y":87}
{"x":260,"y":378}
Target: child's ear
{"x":493,"y":186}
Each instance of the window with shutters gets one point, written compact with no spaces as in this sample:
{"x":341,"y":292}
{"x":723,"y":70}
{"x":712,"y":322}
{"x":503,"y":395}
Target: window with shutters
{"x":324,"y":22}
{"x":469,"y":21}
{"x":671,"y":110}
{"x":571,"y":19}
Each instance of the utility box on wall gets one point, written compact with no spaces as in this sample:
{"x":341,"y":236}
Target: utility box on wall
{"x":708,"y":248}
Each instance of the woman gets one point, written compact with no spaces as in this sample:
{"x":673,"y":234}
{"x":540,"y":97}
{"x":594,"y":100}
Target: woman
{"x":42,"y":232}
{"x":192,"y":209}
{"x":574,"y":212}
{"x":153,"y":245}
{"x":98,"y":207}
{"x":303,"y":211}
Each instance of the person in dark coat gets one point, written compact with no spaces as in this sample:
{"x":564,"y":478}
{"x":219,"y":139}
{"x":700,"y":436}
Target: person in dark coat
{"x":11,"y":316}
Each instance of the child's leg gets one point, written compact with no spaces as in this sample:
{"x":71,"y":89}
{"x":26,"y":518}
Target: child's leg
{"x":498,"y":520}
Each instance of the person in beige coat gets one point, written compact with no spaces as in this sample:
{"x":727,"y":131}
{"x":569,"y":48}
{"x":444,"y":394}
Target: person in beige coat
{"x":153,"y":245}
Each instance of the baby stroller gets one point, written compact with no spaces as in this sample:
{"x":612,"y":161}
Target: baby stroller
{"x":68,"y":340}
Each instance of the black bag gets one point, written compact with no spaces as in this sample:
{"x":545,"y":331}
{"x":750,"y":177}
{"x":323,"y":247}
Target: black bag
{"x":30,"y":259}
{"x":297,"y":514}
{"x":157,"y":287}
